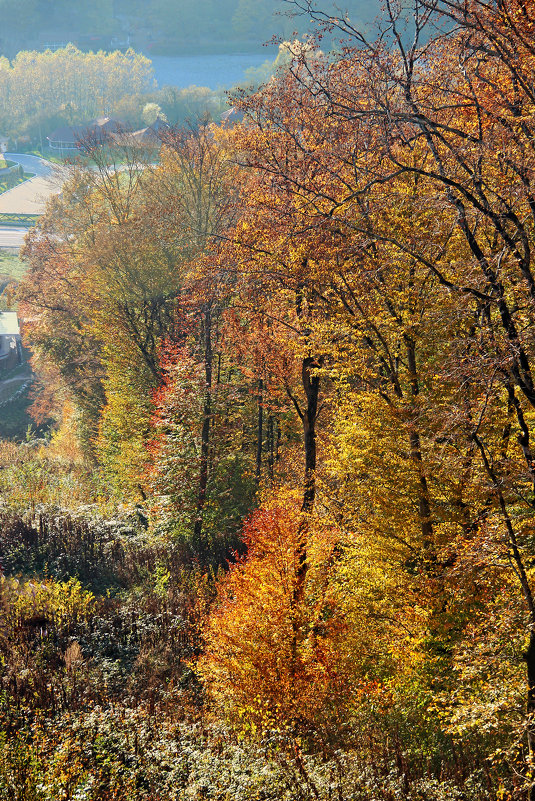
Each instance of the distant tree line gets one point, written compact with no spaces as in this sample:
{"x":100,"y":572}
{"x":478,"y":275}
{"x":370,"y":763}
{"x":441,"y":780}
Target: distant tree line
{"x":41,"y":91}
{"x":162,"y":25}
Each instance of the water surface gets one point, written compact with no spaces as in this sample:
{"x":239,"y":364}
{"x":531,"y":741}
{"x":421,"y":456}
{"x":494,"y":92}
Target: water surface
{"x":219,"y":71}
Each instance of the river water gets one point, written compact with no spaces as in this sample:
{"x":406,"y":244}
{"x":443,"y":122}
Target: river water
{"x":219,"y":71}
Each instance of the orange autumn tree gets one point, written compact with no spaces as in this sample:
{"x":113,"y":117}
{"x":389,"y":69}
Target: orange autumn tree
{"x":276,"y":680}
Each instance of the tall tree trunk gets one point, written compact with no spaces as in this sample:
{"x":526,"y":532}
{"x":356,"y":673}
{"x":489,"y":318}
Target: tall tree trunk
{"x":205,"y":432}
{"x":424,"y":506}
{"x":271,"y":447}
{"x":529,"y":656}
{"x":260,"y":431}
{"x":308,"y":414}
{"x":311,"y":386}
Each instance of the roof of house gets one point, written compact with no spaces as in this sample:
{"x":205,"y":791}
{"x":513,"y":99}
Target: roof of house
{"x":68,"y":133}
{"x":151,"y":136}
{"x":108,"y":124}
{"x":77,"y":133}
{"x":9,"y":324}
{"x":160,"y":125}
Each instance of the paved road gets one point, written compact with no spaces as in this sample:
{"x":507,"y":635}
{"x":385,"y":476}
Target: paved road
{"x":12,"y":237}
{"x":33,"y":164}
{"x":30,"y":197}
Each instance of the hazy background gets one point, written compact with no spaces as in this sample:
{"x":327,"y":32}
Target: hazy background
{"x":156,"y":27}
{"x":176,"y":57}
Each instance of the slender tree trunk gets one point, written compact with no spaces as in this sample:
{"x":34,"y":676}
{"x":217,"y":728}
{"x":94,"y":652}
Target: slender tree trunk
{"x":260,"y":431}
{"x":205,"y":432}
{"x":524,"y":433}
{"x":424,"y":506}
{"x":271,"y":447}
{"x":529,"y":656}
{"x":308,"y":415}
{"x":311,"y":385}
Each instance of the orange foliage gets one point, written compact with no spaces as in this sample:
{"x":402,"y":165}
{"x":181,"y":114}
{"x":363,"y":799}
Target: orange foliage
{"x":269,"y":661}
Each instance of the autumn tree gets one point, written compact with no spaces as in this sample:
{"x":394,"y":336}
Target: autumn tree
{"x":276,"y":681}
{"x":66,"y":86}
{"x":123,"y":281}
{"x":398,"y":204}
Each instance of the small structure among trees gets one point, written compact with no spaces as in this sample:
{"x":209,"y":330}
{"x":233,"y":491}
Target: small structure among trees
{"x":106,"y":130}
{"x":70,"y":137}
{"x":10,"y":342}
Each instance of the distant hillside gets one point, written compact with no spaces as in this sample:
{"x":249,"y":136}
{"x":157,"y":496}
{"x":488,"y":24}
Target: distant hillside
{"x":157,"y":26}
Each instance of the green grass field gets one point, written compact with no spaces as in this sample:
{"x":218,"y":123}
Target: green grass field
{"x":11,"y":271}
{"x":47,"y":154}
{"x":5,"y":186}
{"x":10,"y":265}
{"x":18,"y":219}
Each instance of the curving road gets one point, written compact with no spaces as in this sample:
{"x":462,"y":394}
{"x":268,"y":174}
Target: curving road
{"x":31,"y":196}
{"x":35,"y":164}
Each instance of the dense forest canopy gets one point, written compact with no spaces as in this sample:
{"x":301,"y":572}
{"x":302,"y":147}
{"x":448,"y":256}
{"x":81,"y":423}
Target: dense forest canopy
{"x":279,"y":544}
{"x":68,"y":85}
